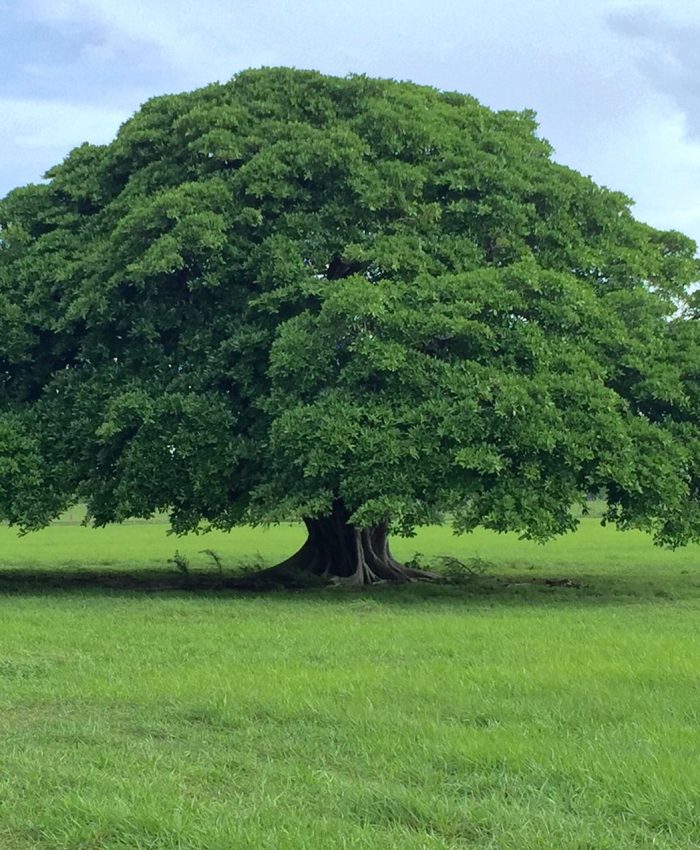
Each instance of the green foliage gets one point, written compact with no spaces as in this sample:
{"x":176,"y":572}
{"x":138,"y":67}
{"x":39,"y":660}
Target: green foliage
{"x":181,"y":563}
{"x":216,"y":560}
{"x":290,"y":289}
{"x":454,"y":569}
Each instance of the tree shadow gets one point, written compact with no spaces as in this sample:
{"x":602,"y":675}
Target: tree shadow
{"x":512,"y":589}
{"x":28,"y":580}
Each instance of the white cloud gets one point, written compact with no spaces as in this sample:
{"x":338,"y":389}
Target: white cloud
{"x":649,"y":157}
{"x":200,"y":43}
{"x":665,"y":51}
{"x":56,"y":125}
{"x":36,"y":134}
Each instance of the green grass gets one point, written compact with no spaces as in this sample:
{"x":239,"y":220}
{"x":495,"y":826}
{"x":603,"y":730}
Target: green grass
{"x":505,"y":713}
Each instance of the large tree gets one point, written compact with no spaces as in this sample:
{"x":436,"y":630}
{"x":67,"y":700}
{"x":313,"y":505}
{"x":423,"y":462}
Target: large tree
{"x":356,"y":302}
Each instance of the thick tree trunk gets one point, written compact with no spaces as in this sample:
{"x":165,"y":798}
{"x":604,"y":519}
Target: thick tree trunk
{"x":341,"y":553}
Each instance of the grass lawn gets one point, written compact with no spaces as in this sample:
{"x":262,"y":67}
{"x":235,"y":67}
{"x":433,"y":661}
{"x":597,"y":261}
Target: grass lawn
{"x":505,"y":713}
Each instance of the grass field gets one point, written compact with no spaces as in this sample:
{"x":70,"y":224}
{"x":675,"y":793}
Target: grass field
{"x":552,"y":703}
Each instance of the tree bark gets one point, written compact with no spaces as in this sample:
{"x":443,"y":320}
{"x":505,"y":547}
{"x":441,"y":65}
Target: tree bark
{"x":340,"y":553}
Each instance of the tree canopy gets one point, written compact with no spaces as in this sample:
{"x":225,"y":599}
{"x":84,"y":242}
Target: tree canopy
{"x":354,"y":301}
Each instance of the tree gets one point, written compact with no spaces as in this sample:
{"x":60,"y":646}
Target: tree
{"x":358,"y":302}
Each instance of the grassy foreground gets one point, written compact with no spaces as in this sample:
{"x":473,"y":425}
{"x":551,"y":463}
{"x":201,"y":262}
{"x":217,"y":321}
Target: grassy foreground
{"x":506,"y":713}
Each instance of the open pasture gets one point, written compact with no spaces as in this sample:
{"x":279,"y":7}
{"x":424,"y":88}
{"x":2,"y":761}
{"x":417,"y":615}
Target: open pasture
{"x":551,"y":703}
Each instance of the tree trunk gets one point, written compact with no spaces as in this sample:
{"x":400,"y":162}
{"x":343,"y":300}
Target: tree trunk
{"x":341,"y":553}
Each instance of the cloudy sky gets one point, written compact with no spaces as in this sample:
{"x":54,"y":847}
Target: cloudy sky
{"x":616,"y":83}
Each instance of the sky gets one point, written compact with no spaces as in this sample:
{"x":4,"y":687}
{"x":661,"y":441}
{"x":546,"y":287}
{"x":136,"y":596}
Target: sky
{"x":615,"y":83}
